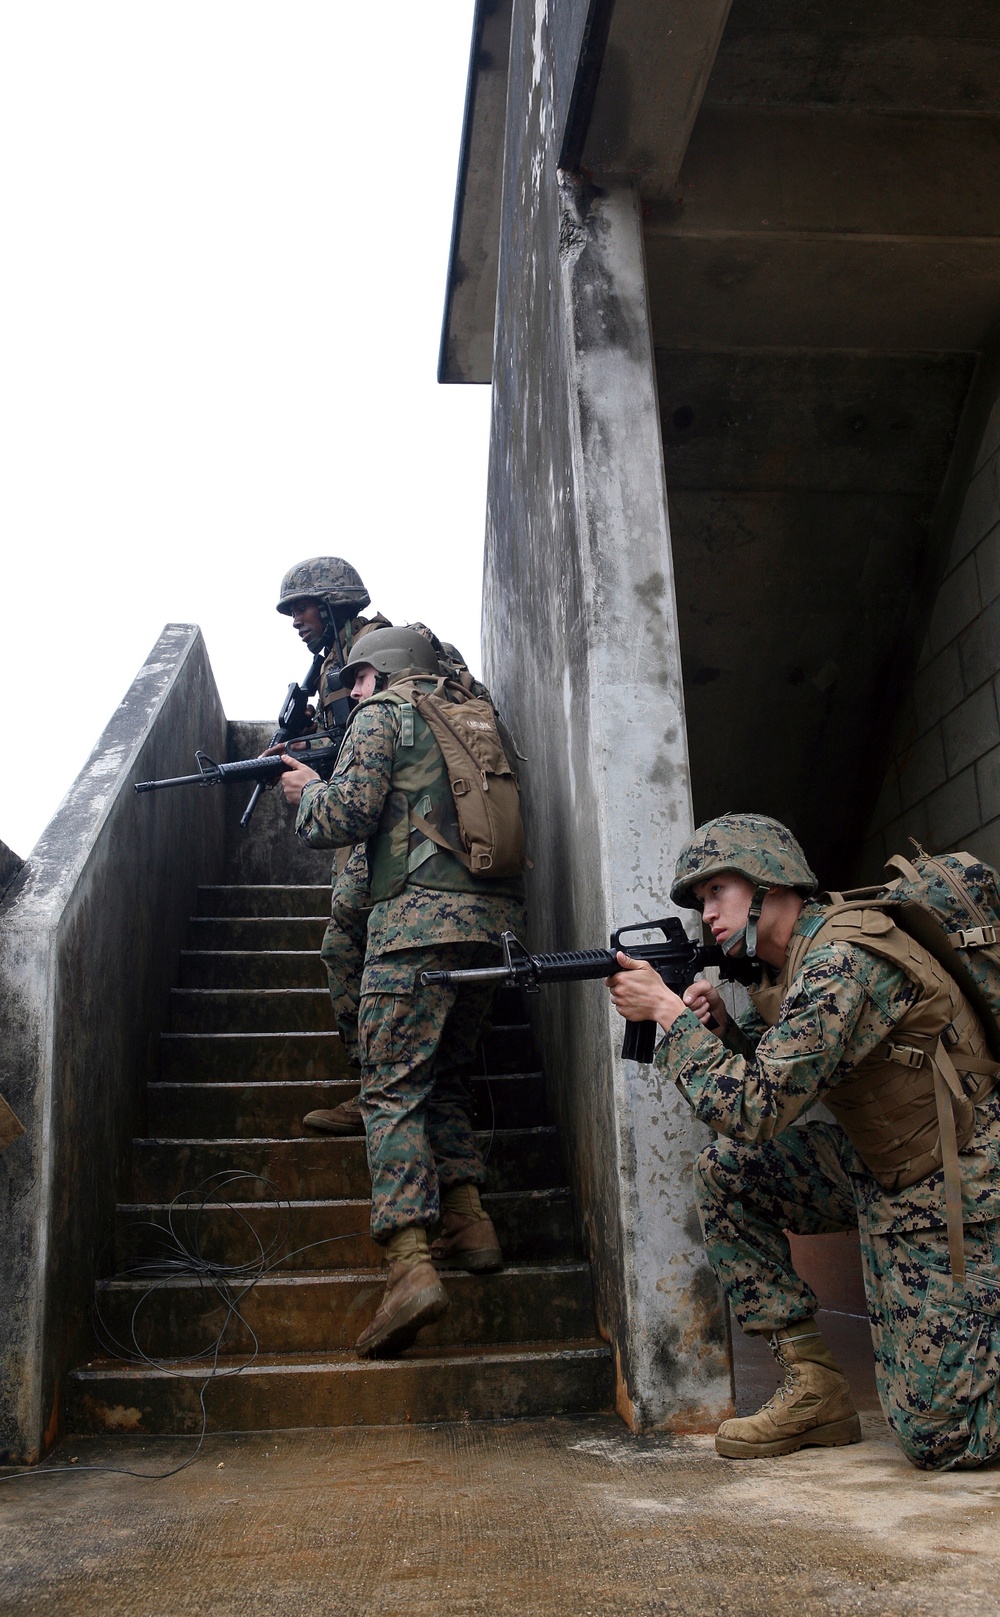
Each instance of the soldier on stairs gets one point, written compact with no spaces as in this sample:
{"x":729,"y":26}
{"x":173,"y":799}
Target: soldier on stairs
{"x":324,"y":597}
{"x":391,"y":791}
{"x":851,"y":1011}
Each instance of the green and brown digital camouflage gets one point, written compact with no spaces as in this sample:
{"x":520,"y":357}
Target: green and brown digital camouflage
{"x":322,"y":578}
{"x":756,"y":846}
{"x":344,"y":943}
{"x":937,"y":1348}
{"x":418,"y":1045}
{"x":349,"y":809}
{"x":334,"y":701}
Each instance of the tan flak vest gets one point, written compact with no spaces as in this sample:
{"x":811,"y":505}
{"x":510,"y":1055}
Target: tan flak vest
{"x":908,"y":1107}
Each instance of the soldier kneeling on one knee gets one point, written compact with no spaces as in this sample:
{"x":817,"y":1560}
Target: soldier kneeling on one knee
{"x":850,"y":1011}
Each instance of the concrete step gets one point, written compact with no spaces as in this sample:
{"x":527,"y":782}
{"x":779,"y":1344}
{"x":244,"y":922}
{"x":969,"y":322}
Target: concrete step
{"x":279,"y":1393}
{"x":251,"y":1057}
{"x":300,"y":1010}
{"x":228,"y":965}
{"x":310,"y":1056}
{"x":275,"y":1109}
{"x":326,"y":1312}
{"x":273,"y":900}
{"x":244,"y":968}
{"x":256,"y":932}
{"x":311,"y":1169}
{"x":534,"y":1226}
{"x":250,"y":1010}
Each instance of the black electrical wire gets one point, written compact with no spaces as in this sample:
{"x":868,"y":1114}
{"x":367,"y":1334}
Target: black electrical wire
{"x":180,"y":1256}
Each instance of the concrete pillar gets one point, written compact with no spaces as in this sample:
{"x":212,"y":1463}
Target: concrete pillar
{"x":581,"y":646}
{"x":679,"y":1372}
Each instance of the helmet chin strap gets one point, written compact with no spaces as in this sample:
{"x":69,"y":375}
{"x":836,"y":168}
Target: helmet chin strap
{"x":333,"y":618}
{"x":745,"y":939}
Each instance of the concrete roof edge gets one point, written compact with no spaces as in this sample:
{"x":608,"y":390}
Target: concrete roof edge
{"x":468,"y":121}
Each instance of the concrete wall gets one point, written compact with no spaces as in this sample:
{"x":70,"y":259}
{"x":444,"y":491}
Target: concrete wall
{"x":11,"y":864}
{"x":943,"y":782}
{"x":89,"y":934}
{"x":581,"y":648}
{"x":269,"y":851}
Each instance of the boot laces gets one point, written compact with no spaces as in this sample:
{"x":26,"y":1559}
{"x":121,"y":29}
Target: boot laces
{"x":788,"y":1385}
{"x":790,"y":1366}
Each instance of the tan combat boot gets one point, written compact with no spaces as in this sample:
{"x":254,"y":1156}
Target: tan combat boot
{"x":467,"y":1239}
{"x":812,"y":1407}
{"x":343,"y":1119}
{"x":413,"y":1297}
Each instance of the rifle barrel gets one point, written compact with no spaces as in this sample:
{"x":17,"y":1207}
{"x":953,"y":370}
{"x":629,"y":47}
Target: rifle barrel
{"x":475,"y":974}
{"x":175,"y":780}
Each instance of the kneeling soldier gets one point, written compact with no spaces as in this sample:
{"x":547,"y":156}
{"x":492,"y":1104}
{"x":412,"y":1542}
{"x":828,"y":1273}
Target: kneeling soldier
{"x":430,"y":912}
{"x":846,"y":1009}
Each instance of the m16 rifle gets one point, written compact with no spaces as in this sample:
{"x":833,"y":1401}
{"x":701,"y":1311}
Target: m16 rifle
{"x":316,"y":752}
{"x":678,"y":960}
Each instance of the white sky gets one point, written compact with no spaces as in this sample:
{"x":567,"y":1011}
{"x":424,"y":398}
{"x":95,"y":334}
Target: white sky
{"x":226,"y":230}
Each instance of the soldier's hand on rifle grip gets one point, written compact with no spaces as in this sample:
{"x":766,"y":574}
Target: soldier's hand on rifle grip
{"x":639,"y":993}
{"x":295,"y":779}
{"x":707,"y":1004}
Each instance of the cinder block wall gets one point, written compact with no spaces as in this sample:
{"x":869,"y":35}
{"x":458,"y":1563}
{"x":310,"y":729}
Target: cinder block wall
{"x":943,"y":782}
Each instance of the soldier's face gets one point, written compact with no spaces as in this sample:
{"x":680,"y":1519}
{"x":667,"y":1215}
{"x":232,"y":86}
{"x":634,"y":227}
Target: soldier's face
{"x":307,"y":620}
{"x":725,"y":901}
{"x":364,"y":684}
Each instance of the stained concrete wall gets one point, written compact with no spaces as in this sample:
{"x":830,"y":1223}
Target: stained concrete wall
{"x":581,"y":647}
{"x":89,"y":934}
{"x":11,"y":864}
{"x":942,"y":785}
{"x":270,"y":851}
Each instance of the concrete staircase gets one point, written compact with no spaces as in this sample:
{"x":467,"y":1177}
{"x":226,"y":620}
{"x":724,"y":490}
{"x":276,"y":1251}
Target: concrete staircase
{"x":249,"y":1048}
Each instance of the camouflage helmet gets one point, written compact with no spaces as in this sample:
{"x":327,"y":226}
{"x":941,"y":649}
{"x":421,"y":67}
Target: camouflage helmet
{"x":328,"y":579}
{"x":755,"y":846}
{"x":390,"y":651}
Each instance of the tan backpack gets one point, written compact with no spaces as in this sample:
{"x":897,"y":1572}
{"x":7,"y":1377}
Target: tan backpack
{"x":483,"y":779}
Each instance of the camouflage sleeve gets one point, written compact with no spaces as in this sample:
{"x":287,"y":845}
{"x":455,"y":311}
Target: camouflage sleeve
{"x":828,"y":1023}
{"x":347,"y":808}
{"x":741,"y":1039}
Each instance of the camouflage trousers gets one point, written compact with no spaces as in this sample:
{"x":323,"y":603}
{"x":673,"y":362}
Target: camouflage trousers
{"x":937,"y":1350}
{"x":343,"y":948}
{"x":418,"y":1045}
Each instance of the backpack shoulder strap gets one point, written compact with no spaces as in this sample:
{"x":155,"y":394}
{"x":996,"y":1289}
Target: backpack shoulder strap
{"x":871,"y":927}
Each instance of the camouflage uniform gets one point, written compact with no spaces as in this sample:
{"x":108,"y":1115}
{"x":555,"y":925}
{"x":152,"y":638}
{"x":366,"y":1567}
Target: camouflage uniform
{"x":416,"y":1043}
{"x":343,"y":948}
{"x":333,"y":582}
{"x":937,"y":1350}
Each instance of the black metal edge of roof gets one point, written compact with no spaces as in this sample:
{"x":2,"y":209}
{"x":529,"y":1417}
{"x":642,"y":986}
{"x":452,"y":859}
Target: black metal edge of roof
{"x":463,"y":171}
{"x":592,"y":48}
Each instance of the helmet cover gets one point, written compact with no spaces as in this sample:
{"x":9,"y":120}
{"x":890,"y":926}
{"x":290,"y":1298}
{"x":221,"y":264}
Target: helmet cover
{"x":328,"y":579}
{"x":755,"y":846}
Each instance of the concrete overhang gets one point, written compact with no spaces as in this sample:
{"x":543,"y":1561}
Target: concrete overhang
{"x":470,"y":300}
{"x":603,"y":52}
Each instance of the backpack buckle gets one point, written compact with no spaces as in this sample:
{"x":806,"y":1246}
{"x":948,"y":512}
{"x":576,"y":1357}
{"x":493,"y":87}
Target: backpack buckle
{"x":906,"y":1055}
{"x":975,"y":937}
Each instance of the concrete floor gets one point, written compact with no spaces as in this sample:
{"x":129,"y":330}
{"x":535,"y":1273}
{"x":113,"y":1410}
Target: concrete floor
{"x":565,"y":1516}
